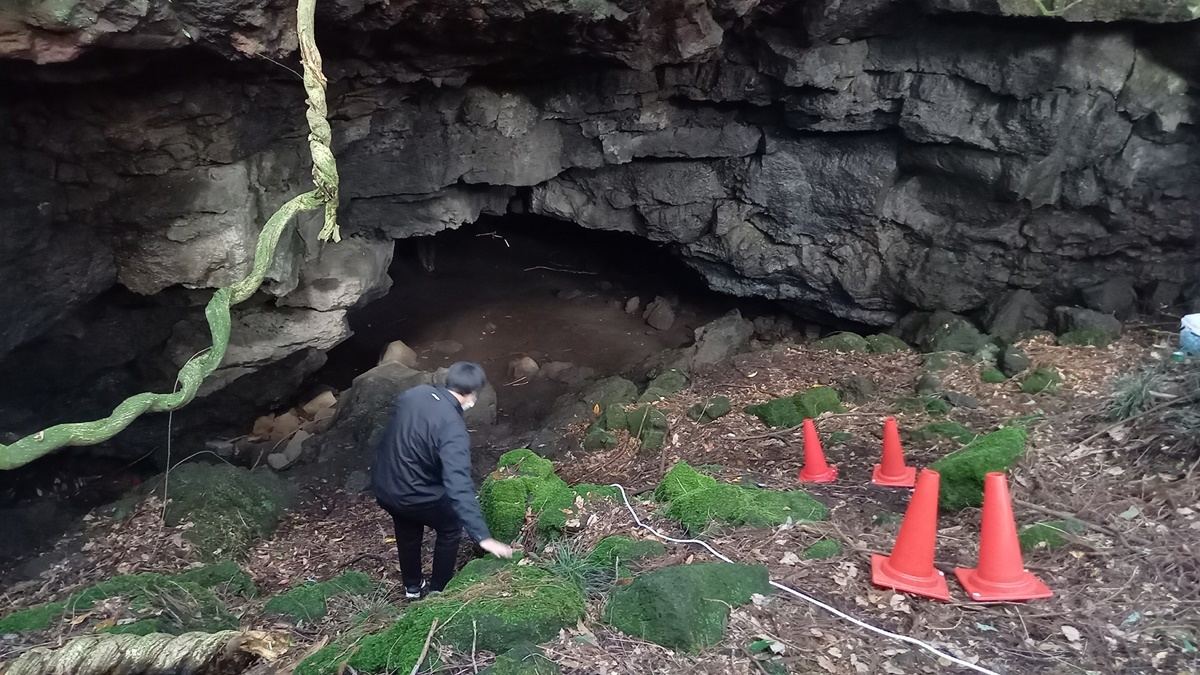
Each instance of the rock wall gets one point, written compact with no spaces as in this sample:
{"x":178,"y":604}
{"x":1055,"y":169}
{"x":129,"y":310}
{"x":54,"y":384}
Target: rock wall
{"x":854,"y":160}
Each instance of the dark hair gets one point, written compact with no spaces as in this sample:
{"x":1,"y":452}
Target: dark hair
{"x":465,"y":378}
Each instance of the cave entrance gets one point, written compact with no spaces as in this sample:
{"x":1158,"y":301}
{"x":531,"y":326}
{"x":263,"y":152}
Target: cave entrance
{"x":519,"y":285}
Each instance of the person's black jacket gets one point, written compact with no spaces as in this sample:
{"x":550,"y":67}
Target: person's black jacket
{"x":425,"y":454}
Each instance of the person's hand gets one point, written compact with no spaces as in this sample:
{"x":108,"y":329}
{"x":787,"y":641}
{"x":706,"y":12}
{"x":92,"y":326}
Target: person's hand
{"x":496,"y":548}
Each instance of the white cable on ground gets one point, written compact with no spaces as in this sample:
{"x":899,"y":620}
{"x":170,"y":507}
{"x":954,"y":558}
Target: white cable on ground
{"x":828,"y":608}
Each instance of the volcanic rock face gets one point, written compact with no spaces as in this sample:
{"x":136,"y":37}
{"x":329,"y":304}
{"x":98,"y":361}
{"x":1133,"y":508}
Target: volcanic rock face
{"x":857,"y":160}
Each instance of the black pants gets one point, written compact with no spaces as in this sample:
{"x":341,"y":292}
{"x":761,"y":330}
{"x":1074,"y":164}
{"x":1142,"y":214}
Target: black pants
{"x":410,"y":523}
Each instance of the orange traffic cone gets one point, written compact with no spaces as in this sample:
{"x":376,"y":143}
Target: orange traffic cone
{"x":910,"y":566}
{"x":815,"y":469}
{"x":891,"y":471}
{"x":1001,"y":573}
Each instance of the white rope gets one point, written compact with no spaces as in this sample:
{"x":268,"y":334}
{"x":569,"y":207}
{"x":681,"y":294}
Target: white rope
{"x":791,"y":591}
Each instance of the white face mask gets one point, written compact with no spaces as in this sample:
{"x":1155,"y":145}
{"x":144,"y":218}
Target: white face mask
{"x":469,"y":403}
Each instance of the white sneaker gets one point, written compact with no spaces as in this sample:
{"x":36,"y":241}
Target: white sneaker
{"x":415,"y":592}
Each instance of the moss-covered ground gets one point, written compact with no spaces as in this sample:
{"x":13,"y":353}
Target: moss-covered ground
{"x":306,"y":603}
{"x":686,"y":606}
{"x":193,"y":599}
{"x":962,"y":471}
{"x":697,"y":500}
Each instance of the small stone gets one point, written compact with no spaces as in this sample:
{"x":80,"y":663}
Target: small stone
{"x":489,"y":327}
{"x":277,"y":461}
{"x":928,"y":385}
{"x":660,"y":314}
{"x":632,"y":305}
{"x":523,"y":367}
{"x":321,"y":406}
{"x":398,"y":352}
{"x":262,"y":426}
{"x":295,"y":445}
{"x":857,"y":389}
{"x":570,"y":294}
{"x":961,"y":400}
{"x":285,"y":425}
{"x":1016,"y":314}
{"x":719,"y":340}
{"x":1014,"y":361}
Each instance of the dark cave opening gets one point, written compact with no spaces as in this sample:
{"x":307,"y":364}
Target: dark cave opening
{"x":510,"y":286}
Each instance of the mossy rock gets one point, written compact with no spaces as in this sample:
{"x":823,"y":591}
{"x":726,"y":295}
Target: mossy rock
{"x":714,"y":408}
{"x":939,"y":361}
{"x":229,"y":507}
{"x":1013,"y":361}
{"x":839,"y":438}
{"x":306,"y":603}
{"x":820,"y":550}
{"x":817,"y":400}
{"x":495,"y":612}
{"x":612,"y":418}
{"x":696,"y":500}
{"x":1087,"y":337}
{"x":842,"y":342}
{"x":524,"y":659}
{"x":947,"y":332}
{"x":1049,"y":534}
{"x":1041,"y":381}
{"x":928,"y":385}
{"x":649,"y":425}
{"x":671,"y":381}
{"x":883,"y":343}
{"x":962,"y":471}
{"x":934,"y":405}
{"x":684,"y":607}
{"x":190,"y":593}
{"x":791,"y":411}
{"x":524,"y":481}
{"x":992,"y":376}
{"x":947,"y":429}
{"x":616,"y":549}
{"x":611,"y":391}
{"x":598,"y":438}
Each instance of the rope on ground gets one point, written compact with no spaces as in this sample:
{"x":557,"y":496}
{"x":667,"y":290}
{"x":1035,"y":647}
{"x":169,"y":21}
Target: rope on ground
{"x":813,"y":601}
{"x":217,"y":312}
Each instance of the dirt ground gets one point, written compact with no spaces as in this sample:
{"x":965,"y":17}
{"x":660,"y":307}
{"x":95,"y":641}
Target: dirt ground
{"x":1126,"y":596}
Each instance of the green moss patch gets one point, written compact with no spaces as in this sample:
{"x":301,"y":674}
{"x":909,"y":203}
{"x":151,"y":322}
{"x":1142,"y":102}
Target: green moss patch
{"x":1041,"y":381}
{"x":792,"y":410}
{"x":496,"y":612}
{"x":962,"y":471}
{"x":524,"y":659}
{"x":886,"y":344}
{"x":684,"y":607}
{"x":306,"y":603}
{"x":710,"y":410}
{"x":525,"y":482}
{"x":696,"y":500}
{"x":947,"y":429}
{"x":32,"y":619}
{"x":1049,"y":534}
{"x":842,"y":342}
{"x":614,"y":550}
{"x":598,"y":438}
{"x":189,"y":595}
{"x":229,"y":507}
{"x":820,"y":550}
{"x":933,"y":405}
{"x":992,"y":376}
{"x":1087,"y":337}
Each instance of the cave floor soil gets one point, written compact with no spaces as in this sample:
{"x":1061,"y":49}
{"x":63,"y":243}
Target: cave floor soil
{"x":1126,"y":587}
